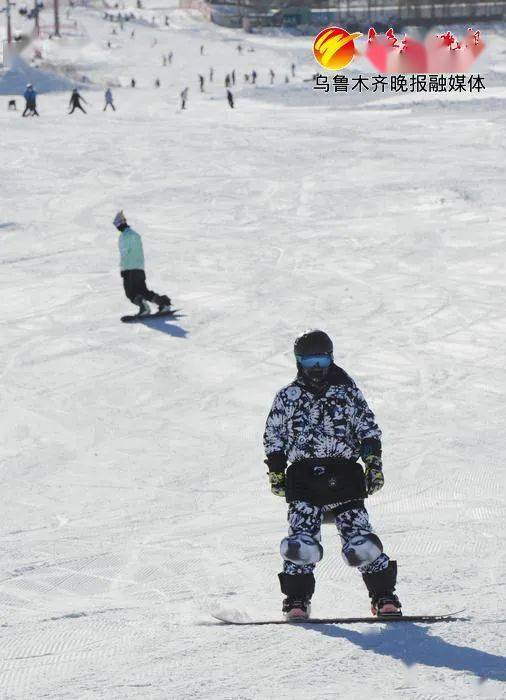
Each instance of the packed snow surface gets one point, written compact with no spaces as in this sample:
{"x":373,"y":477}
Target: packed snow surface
{"x":134,"y":497}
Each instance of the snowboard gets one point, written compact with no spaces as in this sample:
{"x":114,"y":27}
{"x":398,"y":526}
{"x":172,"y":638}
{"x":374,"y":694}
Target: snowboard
{"x":430,"y":619}
{"x":172,"y":313}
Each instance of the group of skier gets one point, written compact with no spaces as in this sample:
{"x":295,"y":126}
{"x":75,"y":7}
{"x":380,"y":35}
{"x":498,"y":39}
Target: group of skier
{"x":317,"y":430}
{"x":75,"y":102}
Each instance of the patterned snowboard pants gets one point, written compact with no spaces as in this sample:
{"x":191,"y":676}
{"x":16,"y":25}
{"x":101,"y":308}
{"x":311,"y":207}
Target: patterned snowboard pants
{"x":306,"y":517}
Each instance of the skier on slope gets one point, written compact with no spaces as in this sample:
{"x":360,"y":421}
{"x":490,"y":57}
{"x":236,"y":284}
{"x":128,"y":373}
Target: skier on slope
{"x":132,"y":269}
{"x":320,"y":425}
{"x":30,"y":96}
{"x":184,"y":97}
{"x":75,"y":101}
{"x":108,"y":100}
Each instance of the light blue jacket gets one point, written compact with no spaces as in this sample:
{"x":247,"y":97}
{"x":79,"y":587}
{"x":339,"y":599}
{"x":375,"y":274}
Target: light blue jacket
{"x":130,"y":249}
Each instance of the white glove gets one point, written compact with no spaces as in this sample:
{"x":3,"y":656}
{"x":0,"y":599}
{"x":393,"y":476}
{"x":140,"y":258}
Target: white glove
{"x":119,"y":219}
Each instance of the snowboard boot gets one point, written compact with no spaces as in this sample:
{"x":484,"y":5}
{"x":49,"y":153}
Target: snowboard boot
{"x":381,"y":586}
{"x":295,"y":609}
{"x":298,"y":589}
{"x":163,"y":304}
{"x":143,"y":305}
{"x":386,"y":606}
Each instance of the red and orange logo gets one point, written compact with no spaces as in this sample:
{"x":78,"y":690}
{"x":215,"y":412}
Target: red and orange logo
{"x":333,"y":48}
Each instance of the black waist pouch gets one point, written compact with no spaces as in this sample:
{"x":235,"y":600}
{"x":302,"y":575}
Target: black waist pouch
{"x":324,"y":481}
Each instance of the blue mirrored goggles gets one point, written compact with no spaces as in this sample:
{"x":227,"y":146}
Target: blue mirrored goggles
{"x":309,"y":361}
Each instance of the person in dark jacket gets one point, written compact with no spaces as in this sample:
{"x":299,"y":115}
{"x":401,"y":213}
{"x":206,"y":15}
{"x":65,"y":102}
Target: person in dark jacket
{"x":318,"y":428}
{"x":30,"y":96}
{"x":230,"y":99}
{"x":75,"y":102}
{"x":184,"y":97}
{"x":109,"y":100}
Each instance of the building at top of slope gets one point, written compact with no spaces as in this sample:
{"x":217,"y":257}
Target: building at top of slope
{"x":314,"y":14}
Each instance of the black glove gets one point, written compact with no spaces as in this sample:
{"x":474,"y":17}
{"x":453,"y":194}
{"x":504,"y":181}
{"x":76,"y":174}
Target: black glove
{"x":277,"y":482}
{"x":374,"y":479}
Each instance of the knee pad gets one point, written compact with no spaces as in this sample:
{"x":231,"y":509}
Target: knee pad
{"x":301,"y":549}
{"x":362,"y":549}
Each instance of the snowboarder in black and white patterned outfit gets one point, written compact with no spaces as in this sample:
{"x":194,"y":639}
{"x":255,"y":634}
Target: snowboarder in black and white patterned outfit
{"x":318,"y":427}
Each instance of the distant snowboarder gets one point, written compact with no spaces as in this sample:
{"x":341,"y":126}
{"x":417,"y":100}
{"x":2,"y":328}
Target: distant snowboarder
{"x":202,"y":49}
{"x":184,"y":97}
{"x":157,"y":83}
{"x":132,"y":269}
{"x":293,"y":70}
{"x":201,"y":83}
{"x":170,"y":56}
{"x":30,"y":96}
{"x":318,"y":428}
{"x":227,"y":81}
{"x":211,"y":74}
{"x":272,"y":75}
{"x":232,"y":76}
{"x":254,"y":76}
{"x":75,"y":102}
{"x":230,"y":99}
{"x":133,"y":83}
{"x":108,"y":100}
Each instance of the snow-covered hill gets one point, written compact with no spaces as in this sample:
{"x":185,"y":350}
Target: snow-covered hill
{"x":135,"y":501}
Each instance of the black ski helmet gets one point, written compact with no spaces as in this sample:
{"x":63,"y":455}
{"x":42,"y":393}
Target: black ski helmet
{"x":313,"y":342}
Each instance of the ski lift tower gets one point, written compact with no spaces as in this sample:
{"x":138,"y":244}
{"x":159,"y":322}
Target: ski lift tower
{"x":57,"y":18}
{"x":7,"y":10}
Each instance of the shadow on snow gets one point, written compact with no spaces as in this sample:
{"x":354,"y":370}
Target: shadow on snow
{"x":164,"y":325}
{"x":412,"y":644}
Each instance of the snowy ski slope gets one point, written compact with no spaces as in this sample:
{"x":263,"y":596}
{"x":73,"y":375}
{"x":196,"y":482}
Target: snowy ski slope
{"x":134,"y":497}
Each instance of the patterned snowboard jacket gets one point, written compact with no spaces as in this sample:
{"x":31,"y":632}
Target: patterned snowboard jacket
{"x":337,"y":422}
